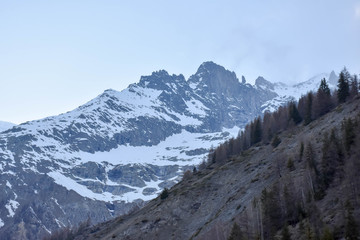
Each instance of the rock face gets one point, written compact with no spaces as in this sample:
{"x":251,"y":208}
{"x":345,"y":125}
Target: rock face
{"x":119,"y":149}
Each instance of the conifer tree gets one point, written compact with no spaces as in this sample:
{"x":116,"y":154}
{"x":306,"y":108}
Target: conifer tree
{"x":327,"y":235}
{"x":331,"y":158}
{"x":351,"y":228}
{"x":285,"y":234}
{"x":164,"y":194}
{"x":323,"y":102}
{"x":343,"y":86}
{"x":310,"y":157}
{"x":276,"y":141}
{"x":301,"y":154}
{"x":349,"y":133}
{"x":256,"y":131}
{"x":308,"y":109}
{"x":294,"y":113}
{"x":354,"y":87}
{"x":236,"y":233}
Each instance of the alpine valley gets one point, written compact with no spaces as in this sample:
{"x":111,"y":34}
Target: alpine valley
{"x":122,"y":149}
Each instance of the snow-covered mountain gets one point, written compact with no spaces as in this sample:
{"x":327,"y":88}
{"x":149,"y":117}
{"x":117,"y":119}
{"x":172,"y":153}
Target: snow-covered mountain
{"x":287,"y":93}
{"x":5,"y":125}
{"x":121,"y":148}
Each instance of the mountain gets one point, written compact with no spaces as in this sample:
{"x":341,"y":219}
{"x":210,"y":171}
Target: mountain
{"x":6,"y":125}
{"x":264,"y":190}
{"x":286,"y":93}
{"x":120,"y":149}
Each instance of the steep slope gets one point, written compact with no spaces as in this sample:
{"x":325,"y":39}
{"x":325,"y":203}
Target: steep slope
{"x":252,"y":187}
{"x":117,"y":150}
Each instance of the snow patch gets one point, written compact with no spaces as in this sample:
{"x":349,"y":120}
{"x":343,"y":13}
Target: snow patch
{"x":196,"y":107}
{"x":11,"y":207}
{"x":165,"y":153}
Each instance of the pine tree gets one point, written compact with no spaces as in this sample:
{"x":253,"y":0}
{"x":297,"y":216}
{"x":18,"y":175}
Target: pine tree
{"x":349,"y":133}
{"x":236,"y":233}
{"x":308,"y":109}
{"x":285,"y":234}
{"x":272,"y":217}
{"x":290,"y":165}
{"x":331,"y":159}
{"x":294,"y":113}
{"x":343,"y":86}
{"x":276,"y":141}
{"x":301,"y":150}
{"x":256,"y":131}
{"x":351,"y":228}
{"x":327,"y":235}
{"x":323,"y":102}
{"x":354,"y":87}
{"x":324,"y":87}
{"x":310,"y":157}
{"x":164,"y":194}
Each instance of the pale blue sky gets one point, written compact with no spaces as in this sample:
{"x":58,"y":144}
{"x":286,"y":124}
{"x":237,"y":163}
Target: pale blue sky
{"x":57,"y":55}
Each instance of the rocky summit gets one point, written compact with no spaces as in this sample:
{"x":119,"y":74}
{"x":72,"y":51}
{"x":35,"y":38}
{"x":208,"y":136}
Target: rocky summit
{"x":120,"y":149}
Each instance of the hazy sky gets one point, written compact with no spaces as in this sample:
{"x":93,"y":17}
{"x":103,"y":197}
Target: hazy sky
{"x":57,"y":55}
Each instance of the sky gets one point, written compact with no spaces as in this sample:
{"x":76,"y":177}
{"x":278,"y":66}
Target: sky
{"x":57,"y":55}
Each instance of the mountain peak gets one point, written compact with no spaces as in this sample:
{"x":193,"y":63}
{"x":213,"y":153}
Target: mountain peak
{"x":263,"y":83}
{"x":212,"y":68}
{"x":161,"y":80}
{"x":209,"y":65}
{"x":243,"y":80}
{"x":214,"y":77}
{"x":333,"y":78}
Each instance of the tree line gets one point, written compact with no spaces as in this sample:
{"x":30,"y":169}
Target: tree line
{"x":308,"y":108}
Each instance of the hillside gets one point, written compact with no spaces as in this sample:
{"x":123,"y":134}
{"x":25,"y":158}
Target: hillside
{"x":263,"y":190}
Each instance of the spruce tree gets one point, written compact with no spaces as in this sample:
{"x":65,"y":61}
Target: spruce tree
{"x":323,"y":99}
{"x":332,"y":158}
{"x":351,"y":227}
{"x":349,"y":133}
{"x":327,"y":235}
{"x":354,"y":87}
{"x":324,"y":87}
{"x":256,"y":131}
{"x":343,"y":87}
{"x":308,"y":109}
{"x":294,"y":113}
{"x":236,"y":233}
{"x":301,"y":154}
{"x":164,"y":194}
{"x":285,"y":234}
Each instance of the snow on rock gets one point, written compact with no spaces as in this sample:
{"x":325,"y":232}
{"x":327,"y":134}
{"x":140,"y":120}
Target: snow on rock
{"x":288,"y":93}
{"x":11,"y":206}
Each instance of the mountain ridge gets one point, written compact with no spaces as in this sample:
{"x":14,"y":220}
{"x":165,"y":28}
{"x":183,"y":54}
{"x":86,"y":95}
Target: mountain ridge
{"x":120,"y":148}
